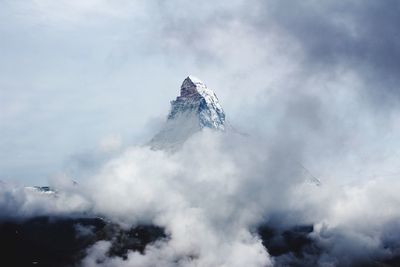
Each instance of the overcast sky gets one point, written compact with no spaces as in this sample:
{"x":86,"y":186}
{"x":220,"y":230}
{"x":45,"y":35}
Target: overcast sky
{"x":79,"y":76}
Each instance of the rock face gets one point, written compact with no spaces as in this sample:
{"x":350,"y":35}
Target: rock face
{"x":197,"y":98}
{"x":196,"y":108}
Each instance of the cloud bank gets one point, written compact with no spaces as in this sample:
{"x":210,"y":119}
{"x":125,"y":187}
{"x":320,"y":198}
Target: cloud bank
{"x":211,"y":196}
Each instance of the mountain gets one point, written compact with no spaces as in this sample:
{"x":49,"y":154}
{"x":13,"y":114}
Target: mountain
{"x":196,"y":108}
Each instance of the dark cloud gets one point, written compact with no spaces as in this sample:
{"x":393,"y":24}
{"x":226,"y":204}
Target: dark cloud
{"x":331,"y":38}
{"x":359,"y":36}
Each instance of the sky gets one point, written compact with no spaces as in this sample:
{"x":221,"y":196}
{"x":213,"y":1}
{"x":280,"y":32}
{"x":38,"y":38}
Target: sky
{"x":76,"y":75}
{"x":313,"y":85}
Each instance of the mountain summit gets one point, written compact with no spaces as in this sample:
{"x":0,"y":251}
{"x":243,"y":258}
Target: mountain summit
{"x":197,"y":98}
{"x":196,"y":108}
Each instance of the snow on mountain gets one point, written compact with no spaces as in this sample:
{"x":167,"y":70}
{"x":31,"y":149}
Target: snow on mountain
{"x":41,"y":189}
{"x":196,"y":108}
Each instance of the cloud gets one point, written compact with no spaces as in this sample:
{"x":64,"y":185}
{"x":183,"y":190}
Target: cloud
{"x":350,"y":35}
{"x":313,"y":84}
{"x":26,"y":202}
{"x":210,"y":195}
{"x":268,"y":42}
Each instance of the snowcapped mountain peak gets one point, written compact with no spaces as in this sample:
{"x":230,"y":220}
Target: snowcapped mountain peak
{"x":192,"y":86}
{"x":196,"y":98}
{"x":192,"y":80}
{"x":196,"y":107}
